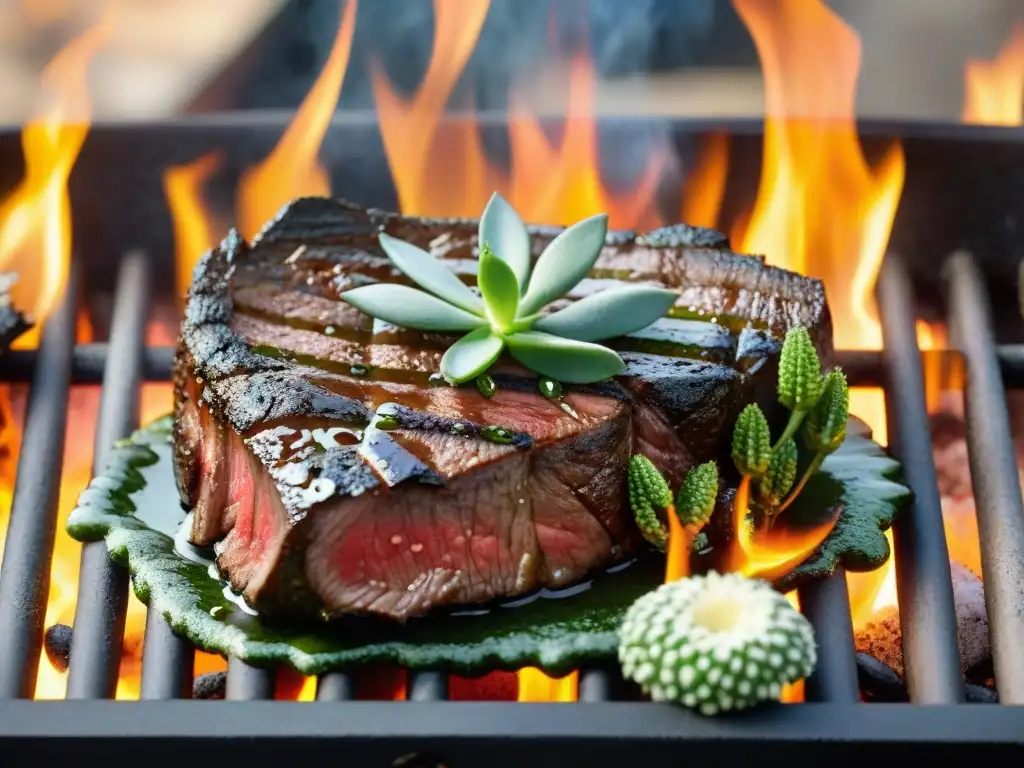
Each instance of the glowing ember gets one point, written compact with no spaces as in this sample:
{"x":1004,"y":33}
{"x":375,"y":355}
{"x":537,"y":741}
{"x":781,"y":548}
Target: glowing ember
{"x":821,"y":210}
{"x":994,"y":90}
{"x":292,"y":169}
{"x":536,"y":686}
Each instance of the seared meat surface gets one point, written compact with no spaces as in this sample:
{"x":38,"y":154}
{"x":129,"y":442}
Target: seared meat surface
{"x":334,"y":475}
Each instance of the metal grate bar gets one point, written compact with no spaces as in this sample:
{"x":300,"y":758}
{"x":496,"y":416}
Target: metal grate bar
{"x":88,"y":364}
{"x":507,"y":734}
{"x":931,"y":655}
{"x":103,"y":584}
{"x":25,"y":573}
{"x":994,"y":474}
{"x":246,"y":683}
{"x":427,"y":686}
{"x":166,"y":661}
{"x":335,"y":686}
{"x":827,"y":605}
{"x":597,"y":684}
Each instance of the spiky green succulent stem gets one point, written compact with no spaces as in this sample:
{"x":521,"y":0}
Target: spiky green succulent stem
{"x":796,"y":418}
{"x":813,"y":467}
{"x":648,"y":492}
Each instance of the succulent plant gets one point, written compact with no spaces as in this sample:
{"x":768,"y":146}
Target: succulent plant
{"x":751,"y":442}
{"x":697,"y":495}
{"x":647,"y":491}
{"x":780,"y":476}
{"x":825,"y":426}
{"x":506,"y":313}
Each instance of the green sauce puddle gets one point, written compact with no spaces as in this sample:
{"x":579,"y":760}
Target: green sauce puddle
{"x":133,"y":505}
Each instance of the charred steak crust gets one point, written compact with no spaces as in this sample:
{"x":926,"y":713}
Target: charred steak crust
{"x":332,"y":477}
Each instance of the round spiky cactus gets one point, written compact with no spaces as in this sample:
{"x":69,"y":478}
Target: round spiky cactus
{"x":715,"y":643}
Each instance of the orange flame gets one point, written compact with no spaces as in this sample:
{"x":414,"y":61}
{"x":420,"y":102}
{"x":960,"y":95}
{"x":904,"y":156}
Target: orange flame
{"x":444,"y":170}
{"x":563,"y":185}
{"x":35,"y":219}
{"x":769,"y":553}
{"x":821,"y":210}
{"x":410,"y":126}
{"x":994,"y":90}
{"x":193,"y":232}
{"x":535,"y":686}
{"x":292,"y":169}
{"x":705,"y":186}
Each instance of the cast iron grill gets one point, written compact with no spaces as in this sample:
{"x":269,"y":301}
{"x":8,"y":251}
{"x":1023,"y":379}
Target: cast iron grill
{"x":602,"y":729}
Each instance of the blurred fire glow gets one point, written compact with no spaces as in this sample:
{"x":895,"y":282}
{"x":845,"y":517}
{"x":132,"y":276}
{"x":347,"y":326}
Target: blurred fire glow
{"x":994,"y":90}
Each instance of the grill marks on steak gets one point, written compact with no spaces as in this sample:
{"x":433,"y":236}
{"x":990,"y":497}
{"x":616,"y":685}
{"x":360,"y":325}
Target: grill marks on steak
{"x":314,"y":509}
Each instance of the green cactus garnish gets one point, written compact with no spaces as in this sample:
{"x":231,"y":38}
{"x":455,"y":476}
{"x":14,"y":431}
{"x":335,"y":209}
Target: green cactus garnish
{"x":751,"y":442}
{"x":800,"y":380}
{"x":696,"y":498}
{"x":781,"y":474}
{"x":715,"y":643}
{"x":799,"y":371}
{"x":825,"y":426}
{"x":647,"y":492}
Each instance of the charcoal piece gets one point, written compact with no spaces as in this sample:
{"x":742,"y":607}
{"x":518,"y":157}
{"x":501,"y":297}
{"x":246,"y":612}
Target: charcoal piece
{"x":58,"y":646}
{"x":12,"y":322}
{"x":882,"y":638}
{"x":979,"y":694}
{"x":878,"y":681}
{"x":211,"y":685}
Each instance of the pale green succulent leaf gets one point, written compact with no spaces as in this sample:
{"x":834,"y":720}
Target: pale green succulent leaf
{"x":567,"y":260}
{"x":608,"y":314}
{"x":410,"y":308}
{"x":499,"y":287}
{"x":565,"y":360}
{"x":430,"y":274}
{"x":504,"y":231}
{"x":471,"y":355}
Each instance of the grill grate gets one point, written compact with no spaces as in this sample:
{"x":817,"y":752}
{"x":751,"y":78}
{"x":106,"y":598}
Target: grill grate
{"x":603,"y":731}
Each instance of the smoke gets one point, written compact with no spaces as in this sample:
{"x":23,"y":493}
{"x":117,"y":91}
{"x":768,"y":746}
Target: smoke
{"x":626,"y":38}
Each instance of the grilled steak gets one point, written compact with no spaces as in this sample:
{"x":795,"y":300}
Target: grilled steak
{"x":335,"y":476}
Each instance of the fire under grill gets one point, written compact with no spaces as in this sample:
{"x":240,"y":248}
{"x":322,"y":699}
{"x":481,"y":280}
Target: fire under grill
{"x":610,"y":723}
